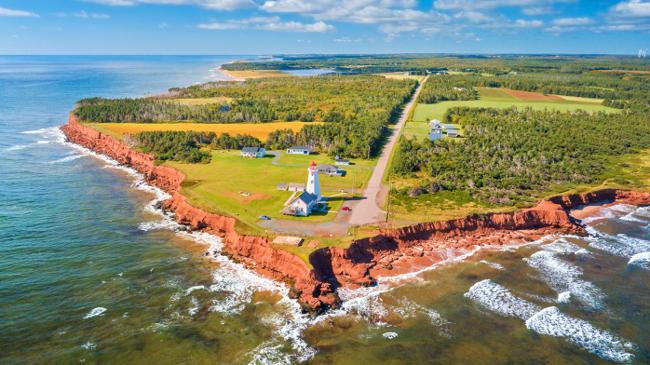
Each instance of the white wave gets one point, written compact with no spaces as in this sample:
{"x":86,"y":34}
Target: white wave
{"x":562,"y":276}
{"x":493,"y":265}
{"x":236,"y":283}
{"x":389,"y":335}
{"x":498,"y":299}
{"x":551,"y":322}
{"x":564,"y":297}
{"x":641,"y":260}
{"x":66,"y":159}
{"x":50,"y":134}
{"x":95,"y":312}
{"x":194,"y":309}
{"x":90,"y":346}
{"x":192,"y":289}
{"x":613,"y":212}
{"x":562,"y":246}
{"x":640,"y":215}
{"x":269,"y":354}
{"x":619,"y":245}
{"x":17,"y":147}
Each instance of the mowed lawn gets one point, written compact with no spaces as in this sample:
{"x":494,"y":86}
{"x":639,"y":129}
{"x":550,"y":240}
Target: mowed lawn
{"x":258,"y":130}
{"x":247,"y":188}
{"x":501,"y":98}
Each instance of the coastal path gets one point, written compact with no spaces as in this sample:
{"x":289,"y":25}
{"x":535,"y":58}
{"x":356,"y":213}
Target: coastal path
{"x":367,"y":210}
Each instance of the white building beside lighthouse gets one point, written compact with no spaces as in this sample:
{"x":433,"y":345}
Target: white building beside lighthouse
{"x":308,"y":199}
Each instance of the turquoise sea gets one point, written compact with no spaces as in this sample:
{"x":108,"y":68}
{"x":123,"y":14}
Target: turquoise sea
{"x":91,"y":273}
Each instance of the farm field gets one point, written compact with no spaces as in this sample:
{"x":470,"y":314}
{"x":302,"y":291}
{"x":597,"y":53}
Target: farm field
{"x":247,"y":188}
{"x":500,"y":98}
{"x":257,"y":130}
{"x":255,"y":74}
{"x":400,"y":76}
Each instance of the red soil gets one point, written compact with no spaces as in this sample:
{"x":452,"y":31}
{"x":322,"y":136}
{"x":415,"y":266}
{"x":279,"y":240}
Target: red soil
{"x":531,"y":96}
{"x":389,"y":253}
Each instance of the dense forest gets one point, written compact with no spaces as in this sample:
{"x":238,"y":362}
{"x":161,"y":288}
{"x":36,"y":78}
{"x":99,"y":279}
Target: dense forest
{"x":354,"y":110}
{"x":444,"y":88}
{"x":421,"y":63}
{"x":509,"y":155}
{"x":190,"y":147}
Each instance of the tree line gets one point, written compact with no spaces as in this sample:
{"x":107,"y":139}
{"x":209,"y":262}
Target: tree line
{"x":354,"y":111}
{"x":508,"y":156}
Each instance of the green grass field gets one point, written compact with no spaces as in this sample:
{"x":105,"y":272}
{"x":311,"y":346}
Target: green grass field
{"x":495,"y":98}
{"x":450,"y":205}
{"x":247,"y":188}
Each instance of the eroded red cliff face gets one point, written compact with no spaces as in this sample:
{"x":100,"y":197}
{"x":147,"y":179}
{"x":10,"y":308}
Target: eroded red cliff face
{"x":392,"y":252}
{"x":254,"y":252}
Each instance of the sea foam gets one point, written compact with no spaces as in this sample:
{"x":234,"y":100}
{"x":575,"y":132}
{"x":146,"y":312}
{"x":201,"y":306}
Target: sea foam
{"x":565,"y":277}
{"x":618,"y":245}
{"x":498,"y":299}
{"x":95,"y":312}
{"x":641,"y":260}
{"x":551,"y":322}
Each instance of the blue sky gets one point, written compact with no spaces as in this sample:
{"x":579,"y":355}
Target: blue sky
{"x":322,"y":26}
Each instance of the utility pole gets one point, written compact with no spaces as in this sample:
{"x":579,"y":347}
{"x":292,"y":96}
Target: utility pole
{"x":388,"y":198}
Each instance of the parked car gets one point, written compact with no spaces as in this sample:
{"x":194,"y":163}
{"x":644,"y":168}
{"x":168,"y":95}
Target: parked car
{"x":346,"y":209}
{"x":264,"y":218}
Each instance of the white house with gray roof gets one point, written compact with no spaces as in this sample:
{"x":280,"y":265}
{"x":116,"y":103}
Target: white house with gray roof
{"x":298,"y":150}
{"x":253,"y":152}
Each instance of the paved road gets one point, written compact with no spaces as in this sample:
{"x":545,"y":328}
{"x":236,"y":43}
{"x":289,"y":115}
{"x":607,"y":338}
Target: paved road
{"x":367,"y":211}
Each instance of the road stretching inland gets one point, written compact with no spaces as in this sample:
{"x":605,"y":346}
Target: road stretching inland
{"x":367,"y":210}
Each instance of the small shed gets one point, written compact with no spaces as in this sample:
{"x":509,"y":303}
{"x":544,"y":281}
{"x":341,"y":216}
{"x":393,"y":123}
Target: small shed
{"x":298,"y":150}
{"x":296,"y":187}
{"x":341,"y":162}
{"x":330,"y":170}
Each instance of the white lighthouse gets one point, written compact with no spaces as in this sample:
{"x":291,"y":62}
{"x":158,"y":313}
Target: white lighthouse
{"x":313,"y":186}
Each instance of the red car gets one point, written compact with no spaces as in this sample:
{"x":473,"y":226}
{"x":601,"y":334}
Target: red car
{"x":346,"y":209}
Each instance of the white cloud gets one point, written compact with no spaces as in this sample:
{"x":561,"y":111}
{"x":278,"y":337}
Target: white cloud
{"x":208,"y":4}
{"x":523,"y":23}
{"x":17,"y":13}
{"x":474,"y":16}
{"x":346,"y":40}
{"x":493,"y":4}
{"x":269,"y":23}
{"x":632,"y":9}
{"x":83,"y":15}
{"x":572,"y":22}
{"x":537,"y":10}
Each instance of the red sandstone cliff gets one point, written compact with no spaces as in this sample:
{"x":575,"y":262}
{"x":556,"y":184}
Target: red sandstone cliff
{"x":254,"y":252}
{"x":392,"y":252}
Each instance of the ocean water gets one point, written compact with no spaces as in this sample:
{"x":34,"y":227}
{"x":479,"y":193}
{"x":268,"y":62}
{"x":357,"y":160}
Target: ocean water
{"x":91,"y":273}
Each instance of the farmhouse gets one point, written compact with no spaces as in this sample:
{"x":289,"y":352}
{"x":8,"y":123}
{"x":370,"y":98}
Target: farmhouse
{"x":451,"y":130}
{"x":299,"y":150}
{"x":304,"y":204}
{"x":253,"y":152}
{"x":330,"y":170}
{"x":435,"y":130}
{"x":341,"y":162}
